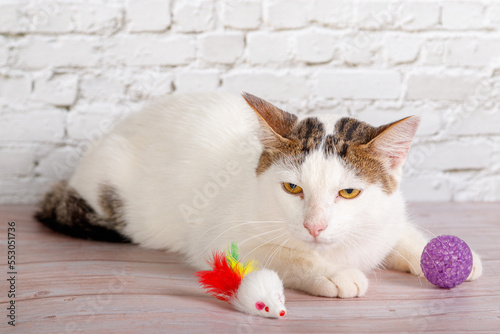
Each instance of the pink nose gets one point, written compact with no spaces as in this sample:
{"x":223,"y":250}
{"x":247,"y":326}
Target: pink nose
{"x":315,"y":229}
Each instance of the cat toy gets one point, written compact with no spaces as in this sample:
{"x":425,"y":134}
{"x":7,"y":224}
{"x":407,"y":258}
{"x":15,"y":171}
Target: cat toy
{"x":252,"y":291}
{"x":446,"y":261}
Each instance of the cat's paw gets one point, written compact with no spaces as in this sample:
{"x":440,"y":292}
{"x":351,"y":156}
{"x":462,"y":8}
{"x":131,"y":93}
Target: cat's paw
{"x":414,"y":266}
{"x":345,"y":283}
{"x":477,"y":268}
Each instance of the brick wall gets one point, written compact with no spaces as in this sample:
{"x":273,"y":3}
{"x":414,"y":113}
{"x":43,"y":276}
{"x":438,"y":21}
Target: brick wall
{"x":69,"y":69}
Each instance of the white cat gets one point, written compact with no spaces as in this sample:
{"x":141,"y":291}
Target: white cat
{"x":315,"y":198}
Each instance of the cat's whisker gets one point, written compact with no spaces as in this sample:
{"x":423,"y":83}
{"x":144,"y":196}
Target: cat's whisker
{"x":269,"y":260}
{"x":240,"y":223}
{"x":231,"y":228}
{"x":265,"y":243}
{"x":261,"y":234}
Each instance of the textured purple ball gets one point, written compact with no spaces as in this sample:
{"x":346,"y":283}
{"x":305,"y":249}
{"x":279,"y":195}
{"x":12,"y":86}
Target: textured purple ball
{"x":446,"y":261}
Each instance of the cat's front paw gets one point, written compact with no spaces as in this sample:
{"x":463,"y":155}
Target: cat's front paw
{"x":414,"y":266}
{"x":345,"y":283}
{"x":477,"y":268}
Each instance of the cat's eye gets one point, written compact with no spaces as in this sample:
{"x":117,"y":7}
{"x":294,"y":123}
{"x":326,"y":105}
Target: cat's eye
{"x":349,"y":193}
{"x":292,"y":188}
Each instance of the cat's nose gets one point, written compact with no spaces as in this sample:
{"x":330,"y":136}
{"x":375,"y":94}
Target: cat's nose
{"x":315,"y":229}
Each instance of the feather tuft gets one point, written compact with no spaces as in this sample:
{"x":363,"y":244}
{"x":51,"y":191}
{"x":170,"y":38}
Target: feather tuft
{"x":233,"y":260}
{"x":221,"y":282}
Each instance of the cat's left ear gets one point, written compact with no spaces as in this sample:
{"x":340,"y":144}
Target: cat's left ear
{"x":394,"y":140}
{"x":276,"y":123}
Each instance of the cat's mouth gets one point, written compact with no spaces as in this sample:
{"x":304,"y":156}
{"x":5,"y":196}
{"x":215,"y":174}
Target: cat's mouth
{"x":320,"y":242}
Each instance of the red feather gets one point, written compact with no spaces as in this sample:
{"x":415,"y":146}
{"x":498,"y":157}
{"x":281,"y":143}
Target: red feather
{"x":221,"y":282}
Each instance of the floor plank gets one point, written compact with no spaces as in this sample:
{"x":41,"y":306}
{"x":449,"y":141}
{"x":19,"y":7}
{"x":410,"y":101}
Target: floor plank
{"x":76,"y":286}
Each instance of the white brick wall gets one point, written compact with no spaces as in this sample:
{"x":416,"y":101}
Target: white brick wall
{"x":69,"y":69}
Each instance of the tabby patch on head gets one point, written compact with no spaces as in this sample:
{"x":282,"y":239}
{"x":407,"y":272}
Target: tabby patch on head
{"x":283,"y":136}
{"x":375,"y":153}
{"x":350,"y":142}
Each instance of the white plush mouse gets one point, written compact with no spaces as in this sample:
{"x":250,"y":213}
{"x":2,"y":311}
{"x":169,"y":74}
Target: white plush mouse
{"x":257,"y":292}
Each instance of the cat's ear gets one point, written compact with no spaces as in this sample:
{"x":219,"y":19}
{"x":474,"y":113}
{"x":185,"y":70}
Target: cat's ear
{"x":276,"y":123}
{"x":394,"y":140}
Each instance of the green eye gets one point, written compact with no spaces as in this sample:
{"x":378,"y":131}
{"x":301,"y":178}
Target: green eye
{"x":349,"y":193}
{"x":292,"y":188}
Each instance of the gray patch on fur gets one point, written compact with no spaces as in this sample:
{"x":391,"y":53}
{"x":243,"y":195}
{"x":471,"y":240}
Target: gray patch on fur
{"x":112,"y":205}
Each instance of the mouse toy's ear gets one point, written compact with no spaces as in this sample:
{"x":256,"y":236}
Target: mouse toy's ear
{"x":276,"y":124}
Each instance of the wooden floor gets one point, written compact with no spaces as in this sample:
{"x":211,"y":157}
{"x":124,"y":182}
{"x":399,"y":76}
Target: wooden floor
{"x":67,"y":285}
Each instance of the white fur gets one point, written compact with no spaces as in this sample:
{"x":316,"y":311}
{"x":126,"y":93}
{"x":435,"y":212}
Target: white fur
{"x":261,"y":286}
{"x":186,"y":170}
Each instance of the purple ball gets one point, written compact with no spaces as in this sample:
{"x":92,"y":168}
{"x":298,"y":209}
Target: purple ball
{"x":446,"y":261}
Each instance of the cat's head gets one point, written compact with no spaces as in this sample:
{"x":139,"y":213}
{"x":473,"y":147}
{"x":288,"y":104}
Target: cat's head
{"x":333,"y":176}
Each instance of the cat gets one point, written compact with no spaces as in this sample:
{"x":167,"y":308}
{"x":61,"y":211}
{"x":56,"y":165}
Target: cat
{"x":315,"y":198}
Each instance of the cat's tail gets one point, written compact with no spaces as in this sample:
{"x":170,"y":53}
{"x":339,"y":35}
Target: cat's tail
{"x":64,"y":210}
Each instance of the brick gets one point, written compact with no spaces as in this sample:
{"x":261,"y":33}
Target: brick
{"x":22,"y":190}
{"x":287,"y":14}
{"x":100,"y":87}
{"x":97,"y":18}
{"x":316,"y":46}
{"x":41,"y":52}
{"x":433,"y":52}
{"x":4,"y":51}
{"x":150,"y":50}
{"x":149,"y":83}
{"x":367,"y":84}
{"x":424,"y":188}
{"x":224,"y":47}
{"x":49,"y":17}
{"x":430,"y":121}
{"x":458,"y":155}
{"x":402,"y":49}
{"x":33,"y":126}
{"x":15,"y":161}
{"x":441,"y":86}
{"x":15,"y":89}
{"x":267,"y":84}
{"x":59,"y":89}
{"x":193,"y":16}
{"x":264,"y":48}
{"x":496,"y":190}
{"x":419,"y":15}
{"x":150,"y":15}
{"x":472,"y":52}
{"x":11,"y":18}
{"x":60,"y":163}
{"x":338,"y":14}
{"x":463,"y":15}
{"x":59,"y":17}
{"x":493,"y":16}
{"x":90,"y":125}
{"x":197,"y":81}
{"x":376,"y":15}
{"x":241,"y":14}
{"x":472,"y":187}
{"x":360,"y":48}
{"x":475,"y":122}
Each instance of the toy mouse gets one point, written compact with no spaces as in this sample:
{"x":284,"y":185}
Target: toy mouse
{"x":257,"y":292}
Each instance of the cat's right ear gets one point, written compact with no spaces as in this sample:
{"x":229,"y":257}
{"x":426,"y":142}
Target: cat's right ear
{"x":275,"y":123}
